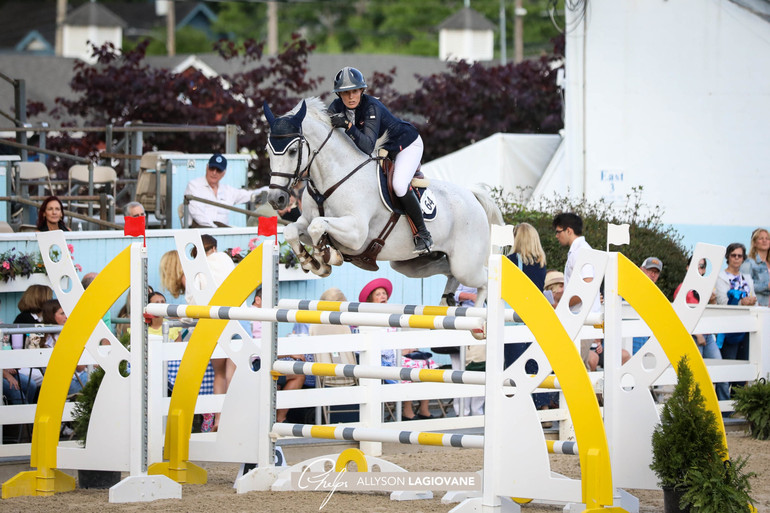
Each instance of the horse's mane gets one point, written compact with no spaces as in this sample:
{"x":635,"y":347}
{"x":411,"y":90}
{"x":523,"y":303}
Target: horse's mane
{"x":316,"y":109}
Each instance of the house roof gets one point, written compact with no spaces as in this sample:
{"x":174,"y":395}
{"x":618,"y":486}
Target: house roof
{"x":20,"y":18}
{"x":467,"y":19}
{"x":48,"y":77}
{"x":93,"y":14}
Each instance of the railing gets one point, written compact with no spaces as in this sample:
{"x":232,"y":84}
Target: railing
{"x":188,"y":198}
{"x":372,"y":392}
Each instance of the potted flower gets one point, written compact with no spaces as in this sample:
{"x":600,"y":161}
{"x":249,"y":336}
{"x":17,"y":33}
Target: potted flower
{"x":689,"y":456}
{"x":81,"y":416}
{"x":752,"y":402}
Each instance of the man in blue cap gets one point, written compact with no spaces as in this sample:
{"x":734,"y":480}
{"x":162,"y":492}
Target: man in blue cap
{"x":208,"y":187}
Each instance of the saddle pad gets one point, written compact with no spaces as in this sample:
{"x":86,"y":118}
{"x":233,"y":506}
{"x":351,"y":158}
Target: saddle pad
{"x":427,"y":199}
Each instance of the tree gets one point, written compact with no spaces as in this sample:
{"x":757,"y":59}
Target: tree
{"x":122,"y":88}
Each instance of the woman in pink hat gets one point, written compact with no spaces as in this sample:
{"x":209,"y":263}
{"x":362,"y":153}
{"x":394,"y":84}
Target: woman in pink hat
{"x":379,"y":291}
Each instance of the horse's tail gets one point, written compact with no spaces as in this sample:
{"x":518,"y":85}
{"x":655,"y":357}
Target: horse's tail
{"x":490,"y":207}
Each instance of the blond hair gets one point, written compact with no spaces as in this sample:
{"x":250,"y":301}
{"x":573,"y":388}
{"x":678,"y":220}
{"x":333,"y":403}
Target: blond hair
{"x":754,"y":236}
{"x":171,"y":273}
{"x":526,"y":243}
{"x":34,"y":297}
{"x":333,"y":294}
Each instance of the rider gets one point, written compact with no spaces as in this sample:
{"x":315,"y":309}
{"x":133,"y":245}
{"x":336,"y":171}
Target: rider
{"x":365,"y":119}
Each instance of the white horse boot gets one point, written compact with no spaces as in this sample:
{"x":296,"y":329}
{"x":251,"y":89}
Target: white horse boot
{"x":411,"y":205}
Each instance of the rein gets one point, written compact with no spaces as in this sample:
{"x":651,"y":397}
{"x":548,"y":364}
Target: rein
{"x":320,"y":197}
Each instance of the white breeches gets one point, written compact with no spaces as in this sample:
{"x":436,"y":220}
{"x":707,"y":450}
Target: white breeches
{"x":407,"y":162}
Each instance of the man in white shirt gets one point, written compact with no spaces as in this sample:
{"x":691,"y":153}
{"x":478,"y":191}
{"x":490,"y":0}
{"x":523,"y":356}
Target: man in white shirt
{"x":568,"y":228}
{"x":208,"y":187}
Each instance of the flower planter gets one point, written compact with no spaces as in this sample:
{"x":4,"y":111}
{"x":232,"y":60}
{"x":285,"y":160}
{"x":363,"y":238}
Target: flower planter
{"x":294,"y":274}
{"x":21,"y":284}
{"x":671,"y":499}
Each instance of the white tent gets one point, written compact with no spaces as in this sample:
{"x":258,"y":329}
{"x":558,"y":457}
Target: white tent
{"x":507,"y":161}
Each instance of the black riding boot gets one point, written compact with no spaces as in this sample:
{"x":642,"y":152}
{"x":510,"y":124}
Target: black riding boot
{"x":423,"y":240}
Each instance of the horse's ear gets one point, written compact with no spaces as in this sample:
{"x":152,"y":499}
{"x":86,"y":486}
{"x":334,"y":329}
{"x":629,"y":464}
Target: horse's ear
{"x":300,"y":115}
{"x":268,"y":113}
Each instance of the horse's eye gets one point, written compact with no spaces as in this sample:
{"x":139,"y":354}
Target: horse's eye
{"x":293,"y":152}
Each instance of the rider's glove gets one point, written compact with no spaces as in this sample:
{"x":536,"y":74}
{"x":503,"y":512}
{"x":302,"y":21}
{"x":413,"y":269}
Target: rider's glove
{"x":339,"y":120}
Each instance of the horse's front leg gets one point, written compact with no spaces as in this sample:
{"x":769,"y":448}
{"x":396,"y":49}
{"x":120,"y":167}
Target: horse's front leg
{"x":347,"y":231}
{"x":293,"y":233}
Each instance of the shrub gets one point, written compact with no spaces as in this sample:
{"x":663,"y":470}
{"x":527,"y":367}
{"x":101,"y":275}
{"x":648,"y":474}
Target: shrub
{"x":753,"y":403}
{"x":719,"y":486}
{"x":649,"y":236}
{"x":688,"y":435}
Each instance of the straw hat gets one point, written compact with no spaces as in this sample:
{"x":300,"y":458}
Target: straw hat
{"x":553,"y":278}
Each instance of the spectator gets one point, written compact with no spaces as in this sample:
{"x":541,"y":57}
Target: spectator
{"x":379,"y":291}
{"x":50,"y":215}
{"x":87,"y":279}
{"x":554,"y":284}
{"x":734,"y":288}
{"x":172,"y":278}
{"x":134,"y":209}
{"x":757,"y":265}
{"x":53,"y":313}
{"x":706,"y":343}
{"x":568,"y":228}
{"x":208,"y":187}
{"x":18,"y":387}
{"x":652,"y":267}
{"x":475,"y":356}
{"x":528,"y":254}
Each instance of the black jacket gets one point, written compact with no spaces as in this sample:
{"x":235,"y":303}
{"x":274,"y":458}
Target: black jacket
{"x":374,"y":119}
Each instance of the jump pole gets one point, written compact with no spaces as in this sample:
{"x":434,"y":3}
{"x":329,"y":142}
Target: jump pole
{"x":435,"y":322}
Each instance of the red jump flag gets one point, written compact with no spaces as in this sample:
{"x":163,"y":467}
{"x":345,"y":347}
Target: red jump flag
{"x":134,"y":227}
{"x":268,"y":226}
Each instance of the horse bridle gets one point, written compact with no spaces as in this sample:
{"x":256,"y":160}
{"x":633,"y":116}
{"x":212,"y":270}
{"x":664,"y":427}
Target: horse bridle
{"x":299,"y":173}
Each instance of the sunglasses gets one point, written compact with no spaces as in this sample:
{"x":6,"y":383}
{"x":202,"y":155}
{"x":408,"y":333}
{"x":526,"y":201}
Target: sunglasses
{"x":217,"y":170}
{"x":737,"y":255}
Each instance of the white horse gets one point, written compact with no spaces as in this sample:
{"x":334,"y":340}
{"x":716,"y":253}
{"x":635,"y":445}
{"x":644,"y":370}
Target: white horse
{"x":342,"y":211}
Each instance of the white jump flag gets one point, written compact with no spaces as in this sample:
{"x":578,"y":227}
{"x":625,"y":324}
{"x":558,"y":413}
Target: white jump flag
{"x":617,"y":234}
{"x":502,"y":235}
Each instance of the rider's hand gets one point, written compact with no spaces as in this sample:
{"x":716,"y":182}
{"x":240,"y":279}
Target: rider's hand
{"x":339,"y":120}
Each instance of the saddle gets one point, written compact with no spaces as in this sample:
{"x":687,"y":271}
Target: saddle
{"x":367,"y":260}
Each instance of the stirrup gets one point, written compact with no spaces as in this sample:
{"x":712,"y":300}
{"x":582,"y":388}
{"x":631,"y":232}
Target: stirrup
{"x":422,"y":244}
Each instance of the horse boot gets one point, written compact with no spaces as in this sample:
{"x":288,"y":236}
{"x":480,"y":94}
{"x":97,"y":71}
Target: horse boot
{"x":411,"y":205}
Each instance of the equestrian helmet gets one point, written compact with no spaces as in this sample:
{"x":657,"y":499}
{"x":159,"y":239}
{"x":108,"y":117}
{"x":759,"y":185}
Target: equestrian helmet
{"x":349,"y":78}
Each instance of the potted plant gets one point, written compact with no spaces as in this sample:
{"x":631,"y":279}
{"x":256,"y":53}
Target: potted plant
{"x":689,"y":456}
{"x":81,"y":416}
{"x":752,"y":402}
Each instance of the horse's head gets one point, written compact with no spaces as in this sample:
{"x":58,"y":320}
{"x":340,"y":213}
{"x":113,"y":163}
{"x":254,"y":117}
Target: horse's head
{"x":287,"y":148}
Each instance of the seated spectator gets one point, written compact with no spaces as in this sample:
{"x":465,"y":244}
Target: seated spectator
{"x":735,"y":288}
{"x":50,"y":215}
{"x":757,"y":265}
{"x":173,"y":279}
{"x":134,"y":209}
{"x":53,"y":313}
{"x":652,"y":267}
{"x":208,"y":187}
{"x":31,"y":308}
{"x":554,"y":286}
{"x":379,"y":291}
{"x":707,"y":343}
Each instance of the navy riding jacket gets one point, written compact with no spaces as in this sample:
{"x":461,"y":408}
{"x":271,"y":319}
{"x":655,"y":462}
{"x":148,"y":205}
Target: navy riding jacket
{"x":374,"y":119}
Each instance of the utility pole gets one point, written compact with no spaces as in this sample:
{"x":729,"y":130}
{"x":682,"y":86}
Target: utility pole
{"x":503,"y":38}
{"x":272,"y":28}
{"x":61,"y":14}
{"x":171,"y":29}
{"x":518,"y":31}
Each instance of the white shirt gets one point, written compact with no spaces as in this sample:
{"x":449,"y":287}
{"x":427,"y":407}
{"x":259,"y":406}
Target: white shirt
{"x":586,"y":272}
{"x":221,"y":266}
{"x":206,"y":215}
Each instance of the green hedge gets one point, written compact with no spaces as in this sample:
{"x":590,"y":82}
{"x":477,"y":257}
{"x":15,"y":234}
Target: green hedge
{"x":649,"y":236}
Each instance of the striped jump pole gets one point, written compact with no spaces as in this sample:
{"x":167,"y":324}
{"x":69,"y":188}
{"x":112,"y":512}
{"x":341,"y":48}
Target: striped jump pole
{"x":436,"y":322}
{"x":394,"y":373}
{"x":389,"y":308}
{"x":359,"y":434}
